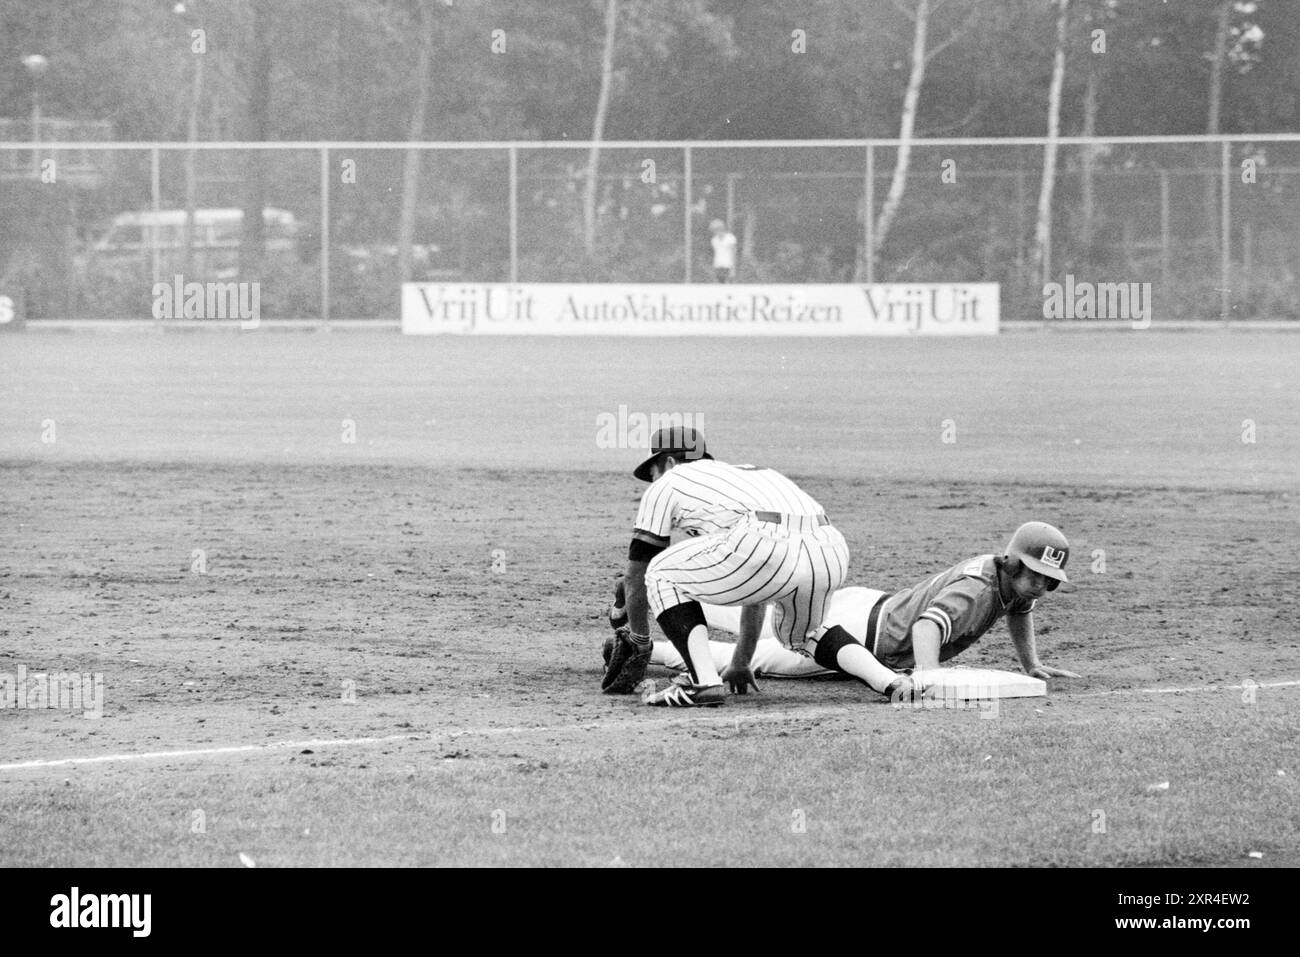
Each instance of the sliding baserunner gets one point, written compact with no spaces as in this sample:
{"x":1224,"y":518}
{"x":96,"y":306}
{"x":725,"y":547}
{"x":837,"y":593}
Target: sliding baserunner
{"x":889,"y":641}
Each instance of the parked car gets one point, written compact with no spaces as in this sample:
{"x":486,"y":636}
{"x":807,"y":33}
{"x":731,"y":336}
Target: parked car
{"x":131,"y":238}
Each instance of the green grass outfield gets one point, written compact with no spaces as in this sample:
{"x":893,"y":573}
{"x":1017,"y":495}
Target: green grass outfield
{"x":1145,"y":408}
{"x":880,"y":788}
{"x":353,"y":679}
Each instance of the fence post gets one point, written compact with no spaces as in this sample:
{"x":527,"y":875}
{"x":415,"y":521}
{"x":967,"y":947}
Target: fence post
{"x":1164,"y":231}
{"x":1247,"y":241}
{"x":325,"y":237}
{"x":1020,"y":224}
{"x":1225,"y":234}
{"x":514,"y":213}
{"x":155,"y":193}
{"x":731,"y":201}
{"x":686,"y":210}
{"x":869,"y":214}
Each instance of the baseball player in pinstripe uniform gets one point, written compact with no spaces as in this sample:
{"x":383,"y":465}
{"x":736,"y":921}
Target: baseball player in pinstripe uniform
{"x":754,"y":538}
{"x":917,"y":627}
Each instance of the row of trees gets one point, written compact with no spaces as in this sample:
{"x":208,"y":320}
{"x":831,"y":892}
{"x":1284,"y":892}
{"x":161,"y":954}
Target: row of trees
{"x":594,"y":70}
{"x":653,"y":69}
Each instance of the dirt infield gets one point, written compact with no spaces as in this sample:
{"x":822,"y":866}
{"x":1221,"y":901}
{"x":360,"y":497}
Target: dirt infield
{"x":201,"y":535}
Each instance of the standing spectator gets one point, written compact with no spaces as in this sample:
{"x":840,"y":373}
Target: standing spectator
{"x":724,"y":251}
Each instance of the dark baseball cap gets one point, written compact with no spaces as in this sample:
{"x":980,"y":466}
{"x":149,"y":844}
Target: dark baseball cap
{"x":677,"y":440}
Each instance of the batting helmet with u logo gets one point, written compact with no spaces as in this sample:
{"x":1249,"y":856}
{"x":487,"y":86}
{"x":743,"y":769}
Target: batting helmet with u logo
{"x":1043,"y":548}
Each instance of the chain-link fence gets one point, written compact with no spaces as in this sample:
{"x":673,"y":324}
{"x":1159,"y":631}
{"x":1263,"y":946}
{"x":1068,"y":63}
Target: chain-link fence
{"x":88,"y":228}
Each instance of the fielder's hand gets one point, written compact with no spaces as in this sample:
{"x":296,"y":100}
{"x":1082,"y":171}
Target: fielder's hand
{"x":1044,"y":672}
{"x":739,"y":679}
{"x":618,"y":610}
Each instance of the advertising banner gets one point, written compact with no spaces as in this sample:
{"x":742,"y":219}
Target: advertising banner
{"x":570,"y":309}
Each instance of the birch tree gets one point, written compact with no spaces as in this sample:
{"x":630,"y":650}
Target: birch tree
{"x":261,"y":42}
{"x":1217,"y":59}
{"x":413,"y":159}
{"x":1043,"y":229}
{"x":639,"y":32}
{"x":598,"y":129}
{"x":919,"y":14}
{"x":1218,"y":56}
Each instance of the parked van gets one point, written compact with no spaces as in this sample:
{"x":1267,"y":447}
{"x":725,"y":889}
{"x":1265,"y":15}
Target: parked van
{"x":132,"y":237}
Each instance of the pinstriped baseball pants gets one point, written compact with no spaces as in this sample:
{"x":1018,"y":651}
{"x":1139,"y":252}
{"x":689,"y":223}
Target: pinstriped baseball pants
{"x":795,"y":564}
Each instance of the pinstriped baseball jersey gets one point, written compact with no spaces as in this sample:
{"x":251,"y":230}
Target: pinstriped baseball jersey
{"x":964,"y":602}
{"x":796,"y":564}
{"x":706,"y":497}
{"x":756,"y":538}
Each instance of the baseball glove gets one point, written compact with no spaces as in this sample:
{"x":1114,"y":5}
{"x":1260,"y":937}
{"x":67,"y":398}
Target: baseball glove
{"x":617,"y":615}
{"x":627,"y":663}
{"x":625,"y":659}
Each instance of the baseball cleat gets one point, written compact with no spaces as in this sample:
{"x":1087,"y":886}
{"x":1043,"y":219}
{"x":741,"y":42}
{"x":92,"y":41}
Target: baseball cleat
{"x":685,"y":696}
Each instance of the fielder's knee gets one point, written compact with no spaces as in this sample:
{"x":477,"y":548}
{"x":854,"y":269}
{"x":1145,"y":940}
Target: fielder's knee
{"x":680,"y":620}
{"x":828,"y":647}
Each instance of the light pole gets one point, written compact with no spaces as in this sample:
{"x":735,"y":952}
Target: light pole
{"x":36,"y":66}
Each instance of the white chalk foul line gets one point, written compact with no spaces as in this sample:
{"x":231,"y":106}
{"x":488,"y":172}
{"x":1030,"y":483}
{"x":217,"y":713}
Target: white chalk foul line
{"x":206,"y":752}
{"x":1198,"y":688}
{"x":638,"y":724}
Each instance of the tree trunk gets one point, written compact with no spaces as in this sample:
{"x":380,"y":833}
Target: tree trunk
{"x":1088,"y":159}
{"x":1216,"y":67}
{"x":252,"y":249}
{"x":1043,"y":230}
{"x":898,"y":182}
{"x":191,"y":186}
{"x":1220,"y":55}
{"x":412,"y":161}
{"x":598,"y":130}
{"x":340,"y":91}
